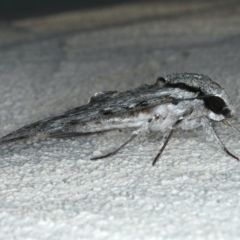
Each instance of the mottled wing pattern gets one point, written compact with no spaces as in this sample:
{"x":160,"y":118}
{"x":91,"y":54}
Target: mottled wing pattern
{"x":101,"y":106}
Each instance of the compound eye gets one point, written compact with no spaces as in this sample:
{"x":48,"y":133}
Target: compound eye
{"x":216,"y":105}
{"x":226,"y":112}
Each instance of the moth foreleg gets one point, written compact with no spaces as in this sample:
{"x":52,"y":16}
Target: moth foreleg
{"x":168,"y":134}
{"x":209,"y":128}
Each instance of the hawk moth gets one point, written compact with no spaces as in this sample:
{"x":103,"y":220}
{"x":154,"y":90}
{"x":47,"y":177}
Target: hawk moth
{"x":176,"y":101}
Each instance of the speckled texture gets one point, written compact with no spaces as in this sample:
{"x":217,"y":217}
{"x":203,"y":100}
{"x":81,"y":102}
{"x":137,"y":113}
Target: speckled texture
{"x":51,"y":190}
{"x":203,"y":83}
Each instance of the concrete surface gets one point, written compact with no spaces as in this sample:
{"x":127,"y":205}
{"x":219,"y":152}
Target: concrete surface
{"x":51,"y":190}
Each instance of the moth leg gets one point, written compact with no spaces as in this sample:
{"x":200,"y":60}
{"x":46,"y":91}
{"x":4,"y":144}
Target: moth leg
{"x":134,"y":134}
{"x":209,"y":128}
{"x":168,"y":134}
{"x":117,"y":150}
{"x":166,"y":139}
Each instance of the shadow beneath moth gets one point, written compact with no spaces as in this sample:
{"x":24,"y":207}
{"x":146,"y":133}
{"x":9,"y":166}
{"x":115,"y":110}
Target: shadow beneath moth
{"x":177,"y":101}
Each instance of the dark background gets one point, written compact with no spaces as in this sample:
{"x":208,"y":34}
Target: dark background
{"x":14,"y":9}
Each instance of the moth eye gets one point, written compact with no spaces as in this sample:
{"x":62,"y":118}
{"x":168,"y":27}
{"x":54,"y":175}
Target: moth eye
{"x":226,"y":112}
{"x":217,"y":105}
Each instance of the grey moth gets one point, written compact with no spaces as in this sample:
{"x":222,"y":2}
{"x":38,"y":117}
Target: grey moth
{"x":176,"y":101}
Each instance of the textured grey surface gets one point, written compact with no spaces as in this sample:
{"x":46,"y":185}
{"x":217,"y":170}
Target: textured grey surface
{"x":51,"y":190}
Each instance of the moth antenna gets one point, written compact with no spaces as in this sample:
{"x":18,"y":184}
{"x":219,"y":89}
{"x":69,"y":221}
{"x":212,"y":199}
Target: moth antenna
{"x":225,"y":122}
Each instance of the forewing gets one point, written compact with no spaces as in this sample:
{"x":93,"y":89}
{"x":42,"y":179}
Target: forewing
{"x":111,"y":105}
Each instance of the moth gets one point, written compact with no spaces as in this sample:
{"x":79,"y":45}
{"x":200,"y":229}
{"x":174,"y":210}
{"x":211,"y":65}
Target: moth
{"x":176,"y":101}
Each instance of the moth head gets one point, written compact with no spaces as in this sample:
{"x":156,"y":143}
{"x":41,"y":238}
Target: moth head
{"x":218,"y":108}
{"x":215,"y":98}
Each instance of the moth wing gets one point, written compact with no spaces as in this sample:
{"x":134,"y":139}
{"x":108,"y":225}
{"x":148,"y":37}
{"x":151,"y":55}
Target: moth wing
{"x":106,"y":95}
{"x":66,"y":134}
{"x":100,"y":96}
{"x":109,"y":105}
